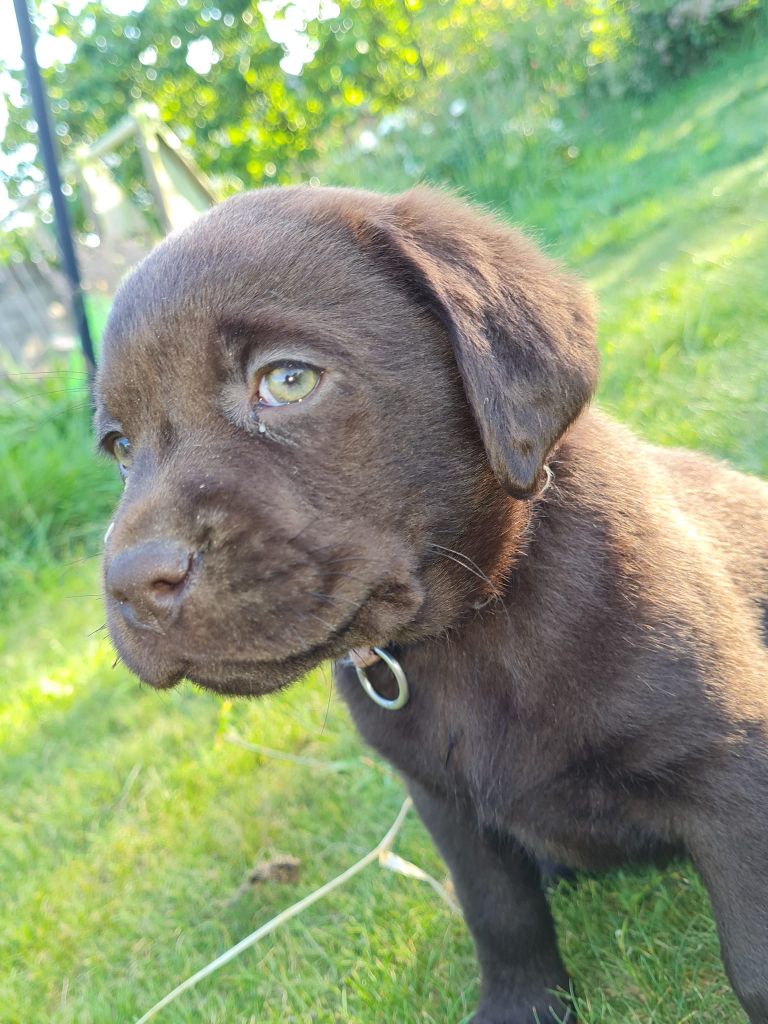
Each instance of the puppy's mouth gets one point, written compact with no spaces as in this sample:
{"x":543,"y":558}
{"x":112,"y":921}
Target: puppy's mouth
{"x":229,"y":678}
{"x":383,"y":610}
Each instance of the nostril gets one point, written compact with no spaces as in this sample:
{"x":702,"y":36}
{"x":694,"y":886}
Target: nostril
{"x":148,"y":580}
{"x":166,"y":586}
{"x":172,"y":581}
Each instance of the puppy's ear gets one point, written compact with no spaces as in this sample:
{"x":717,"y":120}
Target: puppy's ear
{"x":523,"y":333}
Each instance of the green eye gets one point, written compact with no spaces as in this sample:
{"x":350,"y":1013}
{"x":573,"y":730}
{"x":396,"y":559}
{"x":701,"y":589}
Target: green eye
{"x":121,"y":449}
{"x":287,"y":383}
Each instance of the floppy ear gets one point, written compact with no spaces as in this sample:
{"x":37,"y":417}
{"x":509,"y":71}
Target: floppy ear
{"x":523,"y":333}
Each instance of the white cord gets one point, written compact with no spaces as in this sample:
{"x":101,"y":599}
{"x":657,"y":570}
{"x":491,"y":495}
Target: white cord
{"x":393,"y":862}
{"x":378,"y":852}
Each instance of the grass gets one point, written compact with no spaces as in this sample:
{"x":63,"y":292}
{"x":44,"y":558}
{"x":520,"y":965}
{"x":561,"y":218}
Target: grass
{"x":128,"y":822}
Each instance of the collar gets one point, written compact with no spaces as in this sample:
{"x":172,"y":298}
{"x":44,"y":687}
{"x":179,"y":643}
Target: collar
{"x":363,"y":658}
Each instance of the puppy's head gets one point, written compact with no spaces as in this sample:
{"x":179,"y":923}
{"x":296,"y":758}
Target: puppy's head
{"x":329,"y":408}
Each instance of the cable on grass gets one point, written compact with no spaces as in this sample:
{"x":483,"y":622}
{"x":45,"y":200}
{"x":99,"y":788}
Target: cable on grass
{"x":381,"y":852}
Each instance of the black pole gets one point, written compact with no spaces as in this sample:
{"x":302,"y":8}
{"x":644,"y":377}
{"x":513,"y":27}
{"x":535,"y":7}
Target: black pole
{"x":48,"y":155}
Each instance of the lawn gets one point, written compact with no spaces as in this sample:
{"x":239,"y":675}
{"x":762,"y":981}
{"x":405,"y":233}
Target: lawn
{"x":128,"y":820}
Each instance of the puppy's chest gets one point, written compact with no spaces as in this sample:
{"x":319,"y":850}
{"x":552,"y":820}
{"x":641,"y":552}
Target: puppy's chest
{"x":516,"y":778}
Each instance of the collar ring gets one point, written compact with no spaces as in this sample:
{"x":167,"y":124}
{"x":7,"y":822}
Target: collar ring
{"x":401,"y":679}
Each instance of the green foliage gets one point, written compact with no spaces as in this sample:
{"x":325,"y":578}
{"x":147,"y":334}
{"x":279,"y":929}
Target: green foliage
{"x":242,"y":104}
{"x":248,"y":122}
{"x":671,"y":37}
{"x":54,"y":492}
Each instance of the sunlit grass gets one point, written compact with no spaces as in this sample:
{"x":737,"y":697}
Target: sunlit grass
{"x":127,"y":822}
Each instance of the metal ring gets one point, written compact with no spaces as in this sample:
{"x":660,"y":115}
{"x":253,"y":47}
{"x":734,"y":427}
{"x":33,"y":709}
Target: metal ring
{"x":400,"y":678}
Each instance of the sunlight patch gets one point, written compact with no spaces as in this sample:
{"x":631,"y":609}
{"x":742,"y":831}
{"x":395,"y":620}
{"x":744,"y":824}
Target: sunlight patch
{"x":50,"y":688}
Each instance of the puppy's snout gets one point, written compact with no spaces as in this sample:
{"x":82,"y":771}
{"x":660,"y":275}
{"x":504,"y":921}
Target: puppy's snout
{"x":149,"y":580}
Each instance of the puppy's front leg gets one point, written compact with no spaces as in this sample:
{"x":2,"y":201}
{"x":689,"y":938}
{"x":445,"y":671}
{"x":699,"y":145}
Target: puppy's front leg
{"x":500,"y":893}
{"x":731,"y":852}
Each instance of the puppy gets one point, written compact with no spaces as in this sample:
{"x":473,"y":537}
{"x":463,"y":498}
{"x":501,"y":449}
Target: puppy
{"x":349,"y":421}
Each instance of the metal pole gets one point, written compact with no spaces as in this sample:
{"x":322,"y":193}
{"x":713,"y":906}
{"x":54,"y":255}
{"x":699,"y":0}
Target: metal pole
{"x":48,"y":155}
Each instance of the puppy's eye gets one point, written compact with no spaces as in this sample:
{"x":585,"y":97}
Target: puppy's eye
{"x":121,"y":449}
{"x":287,"y":383}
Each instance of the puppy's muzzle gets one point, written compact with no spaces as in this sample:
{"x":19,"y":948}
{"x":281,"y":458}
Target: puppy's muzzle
{"x":149,"y":581}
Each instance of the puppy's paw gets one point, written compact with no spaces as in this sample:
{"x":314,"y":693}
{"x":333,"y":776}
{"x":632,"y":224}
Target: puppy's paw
{"x":547,"y":1010}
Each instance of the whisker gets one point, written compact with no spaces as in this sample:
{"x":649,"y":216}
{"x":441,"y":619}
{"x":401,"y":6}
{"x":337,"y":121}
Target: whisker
{"x":449,"y":553}
{"x":495,"y":599}
{"x":43,"y":373}
{"x":329,"y":626}
{"x":24,"y":428}
{"x":330,"y":696}
{"x":59,"y":393}
{"x":301,"y":531}
{"x":471,"y":564}
{"x":66,"y":566}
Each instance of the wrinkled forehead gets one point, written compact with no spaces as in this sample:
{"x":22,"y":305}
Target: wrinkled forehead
{"x":245,"y":270}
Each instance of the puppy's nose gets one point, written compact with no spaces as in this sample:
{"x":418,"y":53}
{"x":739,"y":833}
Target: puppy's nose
{"x":148,"y":580}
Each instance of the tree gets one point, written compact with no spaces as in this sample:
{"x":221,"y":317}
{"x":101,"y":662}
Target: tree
{"x":214,"y":73}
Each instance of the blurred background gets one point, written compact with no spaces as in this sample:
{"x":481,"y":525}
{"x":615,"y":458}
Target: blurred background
{"x":631,"y":140}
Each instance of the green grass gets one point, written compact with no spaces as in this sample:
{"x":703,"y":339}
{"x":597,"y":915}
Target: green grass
{"x":127,"y":822}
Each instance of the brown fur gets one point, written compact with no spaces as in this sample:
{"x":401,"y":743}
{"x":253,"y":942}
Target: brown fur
{"x":587,"y":661}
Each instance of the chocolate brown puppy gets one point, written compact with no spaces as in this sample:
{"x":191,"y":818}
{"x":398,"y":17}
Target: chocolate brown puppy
{"x":348,"y":420}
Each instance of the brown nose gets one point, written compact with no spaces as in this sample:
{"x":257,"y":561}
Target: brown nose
{"x":148,"y":581}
